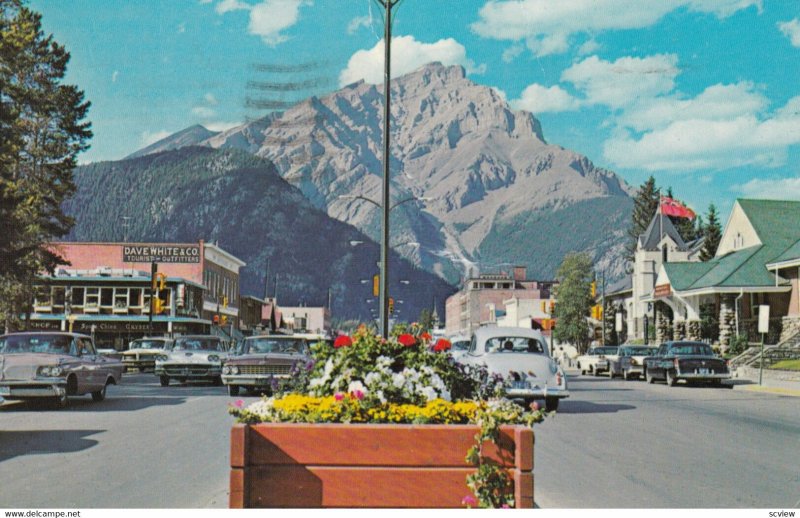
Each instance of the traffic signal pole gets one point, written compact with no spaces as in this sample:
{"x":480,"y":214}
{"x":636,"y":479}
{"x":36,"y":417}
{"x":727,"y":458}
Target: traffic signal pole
{"x":153,"y":280}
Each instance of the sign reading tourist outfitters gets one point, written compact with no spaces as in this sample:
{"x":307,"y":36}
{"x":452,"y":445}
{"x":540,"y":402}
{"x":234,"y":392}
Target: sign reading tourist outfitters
{"x":161,"y":254}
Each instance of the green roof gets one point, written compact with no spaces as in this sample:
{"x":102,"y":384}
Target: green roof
{"x":775,"y":222}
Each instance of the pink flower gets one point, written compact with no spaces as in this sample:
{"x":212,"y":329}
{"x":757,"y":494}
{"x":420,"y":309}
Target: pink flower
{"x":342,"y":341}
{"x":469,"y":501}
{"x":238,"y":403}
{"x":505,"y":506}
{"x":357,"y":394}
{"x":407,"y":340}
{"x":338,"y":396}
{"x":534,"y":406}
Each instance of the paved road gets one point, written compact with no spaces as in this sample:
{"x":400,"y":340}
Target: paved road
{"x":613,"y":444}
{"x":618,"y":444}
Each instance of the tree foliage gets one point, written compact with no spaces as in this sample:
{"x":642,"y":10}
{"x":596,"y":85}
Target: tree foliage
{"x":712,"y":232}
{"x":645,"y":205}
{"x":42,"y":130}
{"x":574,"y":276}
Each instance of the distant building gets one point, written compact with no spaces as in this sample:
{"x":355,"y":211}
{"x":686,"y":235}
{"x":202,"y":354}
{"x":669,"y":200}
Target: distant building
{"x":307,"y":319}
{"x":480,"y":297}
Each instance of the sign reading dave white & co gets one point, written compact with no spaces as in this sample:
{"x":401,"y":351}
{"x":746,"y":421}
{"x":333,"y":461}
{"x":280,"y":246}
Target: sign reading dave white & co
{"x":161,"y":254}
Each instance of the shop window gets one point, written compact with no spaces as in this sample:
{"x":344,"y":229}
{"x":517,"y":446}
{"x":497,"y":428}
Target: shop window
{"x":120,"y":300}
{"x":106,"y":297}
{"x":42,"y":299}
{"x":59,"y":296}
{"x":135,"y":297}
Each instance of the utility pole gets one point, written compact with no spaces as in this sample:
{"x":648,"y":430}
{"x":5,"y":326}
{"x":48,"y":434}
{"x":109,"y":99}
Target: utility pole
{"x":603,"y":299}
{"x":266,"y":282}
{"x":384,"y":280}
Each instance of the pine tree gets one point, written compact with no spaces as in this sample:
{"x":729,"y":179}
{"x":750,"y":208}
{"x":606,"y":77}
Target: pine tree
{"x":712,"y":232}
{"x":42,"y":130}
{"x":574,"y":276}
{"x":645,"y":206}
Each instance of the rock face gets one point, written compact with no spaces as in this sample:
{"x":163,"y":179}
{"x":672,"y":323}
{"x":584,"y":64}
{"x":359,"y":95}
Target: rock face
{"x":486,"y":171}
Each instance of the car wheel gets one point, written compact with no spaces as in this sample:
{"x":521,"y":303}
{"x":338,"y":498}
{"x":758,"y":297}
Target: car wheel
{"x":671,"y":380}
{"x":100,"y":394}
{"x":551,"y":404}
{"x":233,"y":390}
{"x":649,"y":377}
{"x":164,"y":380}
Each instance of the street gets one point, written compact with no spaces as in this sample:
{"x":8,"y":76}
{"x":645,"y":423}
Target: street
{"x":613,"y":444}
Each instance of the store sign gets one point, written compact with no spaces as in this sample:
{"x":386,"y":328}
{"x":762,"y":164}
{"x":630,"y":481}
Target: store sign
{"x":161,"y":254}
{"x":663,"y":290}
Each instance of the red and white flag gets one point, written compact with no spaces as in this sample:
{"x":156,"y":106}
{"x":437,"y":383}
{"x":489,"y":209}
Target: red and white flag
{"x":670,"y":207}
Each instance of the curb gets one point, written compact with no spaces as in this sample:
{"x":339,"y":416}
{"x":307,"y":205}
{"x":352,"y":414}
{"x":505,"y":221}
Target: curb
{"x":771,"y":390}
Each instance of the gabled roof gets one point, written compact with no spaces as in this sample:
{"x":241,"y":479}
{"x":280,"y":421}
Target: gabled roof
{"x":660,"y":226}
{"x":623,"y":285}
{"x":775,"y":223}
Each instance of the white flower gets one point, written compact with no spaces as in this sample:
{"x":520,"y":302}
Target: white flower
{"x":429,"y":393}
{"x":398,"y":380}
{"x":356,"y":386}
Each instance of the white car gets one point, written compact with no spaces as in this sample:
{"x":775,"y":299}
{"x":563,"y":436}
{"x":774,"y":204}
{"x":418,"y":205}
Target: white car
{"x":522,"y":357}
{"x":192,"y":358}
{"x":594,"y":361}
{"x":459,"y":345}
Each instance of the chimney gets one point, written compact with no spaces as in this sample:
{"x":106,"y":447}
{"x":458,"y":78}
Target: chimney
{"x":520,"y":273}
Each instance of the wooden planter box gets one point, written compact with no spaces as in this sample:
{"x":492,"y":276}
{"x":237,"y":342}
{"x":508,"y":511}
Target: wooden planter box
{"x":367,"y":465}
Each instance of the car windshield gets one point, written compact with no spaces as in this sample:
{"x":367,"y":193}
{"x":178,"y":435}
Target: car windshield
{"x":36,"y":343}
{"x":147,"y":344}
{"x":514,"y":344}
{"x":262,"y":345}
{"x":460,"y":345}
{"x":198,"y":344}
{"x":687,"y":349}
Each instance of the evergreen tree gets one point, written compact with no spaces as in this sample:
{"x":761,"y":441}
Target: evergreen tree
{"x":425,"y":320}
{"x":574,"y":296}
{"x":712,"y":232}
{"x":42,"y":130}
{"x":645,"y":206}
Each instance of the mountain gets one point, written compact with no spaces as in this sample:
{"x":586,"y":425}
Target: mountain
{"x":190,"y":136}
{"x":497,"y":192}
{"x":239,"y":201}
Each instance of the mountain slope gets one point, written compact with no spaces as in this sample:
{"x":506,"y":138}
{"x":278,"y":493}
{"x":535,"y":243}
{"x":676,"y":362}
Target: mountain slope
{"x":239,"y":201}
{"x":483,"y":165}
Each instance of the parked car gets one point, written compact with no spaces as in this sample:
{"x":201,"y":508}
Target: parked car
{"x":54,"y":365}
{"x":142,"y":353}
{"x":522,"y":357}
{"x":594,"y":361}
{"x":629,"y":361}
{"x":685,"y":360}
{"x":192,"y":358}
{"x":262,"y":360}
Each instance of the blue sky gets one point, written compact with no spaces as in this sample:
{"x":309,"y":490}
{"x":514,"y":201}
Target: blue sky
{"x":702,"y":94}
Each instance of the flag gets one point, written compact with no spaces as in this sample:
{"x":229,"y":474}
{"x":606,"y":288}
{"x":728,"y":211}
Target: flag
{"x":670,"y":207}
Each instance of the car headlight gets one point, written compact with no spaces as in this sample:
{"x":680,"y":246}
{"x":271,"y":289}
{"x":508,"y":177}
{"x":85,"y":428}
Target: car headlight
{"x":213,"y":358}
{"x":50,"y":371}
{"x":226,"y":370}
{"x":161,"y":358}
{"x":234,"y":370}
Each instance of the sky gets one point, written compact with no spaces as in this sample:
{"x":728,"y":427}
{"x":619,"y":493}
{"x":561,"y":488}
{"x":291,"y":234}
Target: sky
{"x":701,"y":94}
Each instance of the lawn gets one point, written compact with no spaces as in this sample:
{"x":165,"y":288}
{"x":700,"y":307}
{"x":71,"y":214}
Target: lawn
{"x":787,"y":365}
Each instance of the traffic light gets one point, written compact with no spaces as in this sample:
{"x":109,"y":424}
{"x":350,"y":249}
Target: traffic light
{"x":597,"y":312}
{"x":162,"y":281}
{"x":216,"y":319}
{"x":391,"y":305}
{"x":544,"y":306}
{"x":154,"y":276}
{"x":158,"y":306}
{"x":594,"y":289}
{"x":224,"y":302}
{"x":376,"y":285}
{"x":224,"y":319}
{"x":552,"y":307}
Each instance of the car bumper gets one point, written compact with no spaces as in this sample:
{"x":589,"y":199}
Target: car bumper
{"x":250,"y":381}
{"x":32,"y":390}
{"x":634,"y":369}
{"x":710,"y":376}
{"x":138,"y":364}
{"x":198,"y":371}
{"x":536,"y":393}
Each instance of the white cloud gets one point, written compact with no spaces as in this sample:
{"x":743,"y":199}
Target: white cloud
{"x":114,"y":76}
{"x":357,"y":23}
{"x":226,"y":6}
{"x":547,"y":26}
{"x":408,"y":54}
{"x":705,"y":142}
{"x":540,"y":99}
{"x":512,"y":52}
{"x":269,"y":18}
{"x":791,"y":30}
{"x":210,"y":99}
{"x":589,"y":47}
{"x":625,"y":81}
{"x":774,"y":189}
{"x":203,"y":112}
{"x":181,"y":28}
{"x":148,"y":137}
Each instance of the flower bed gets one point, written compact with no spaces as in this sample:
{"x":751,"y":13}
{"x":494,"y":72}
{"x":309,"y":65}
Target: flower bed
{"x":287,"y":451}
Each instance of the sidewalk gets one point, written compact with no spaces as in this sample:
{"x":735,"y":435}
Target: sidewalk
{"x":785,"y":383}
